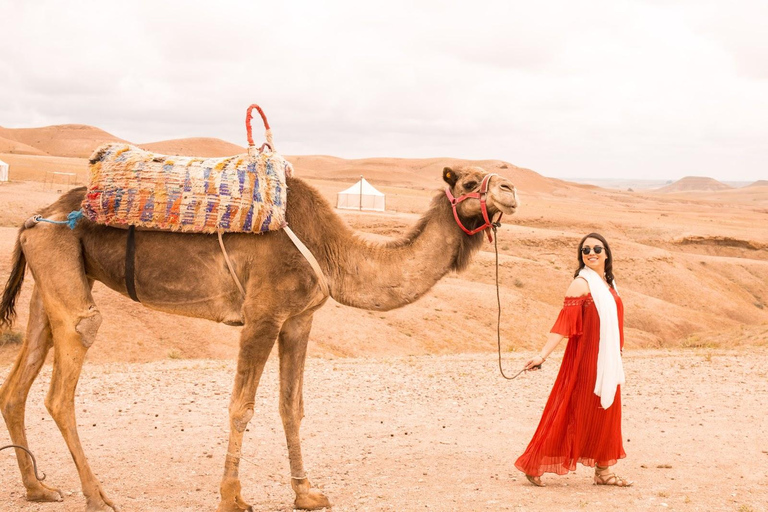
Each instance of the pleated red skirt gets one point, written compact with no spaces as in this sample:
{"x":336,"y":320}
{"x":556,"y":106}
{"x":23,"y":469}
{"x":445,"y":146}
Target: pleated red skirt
{"x":574,"y":427}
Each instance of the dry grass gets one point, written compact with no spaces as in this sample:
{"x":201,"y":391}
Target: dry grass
{"x":11,"y":338}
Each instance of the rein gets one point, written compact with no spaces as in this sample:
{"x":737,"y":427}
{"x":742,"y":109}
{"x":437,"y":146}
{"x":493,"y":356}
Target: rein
{"x":481,"y":195}
{"x":498,"y":302}
{"x":491,"y":226}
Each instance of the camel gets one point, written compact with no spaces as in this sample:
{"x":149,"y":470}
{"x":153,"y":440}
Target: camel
{"x":187,"y":274}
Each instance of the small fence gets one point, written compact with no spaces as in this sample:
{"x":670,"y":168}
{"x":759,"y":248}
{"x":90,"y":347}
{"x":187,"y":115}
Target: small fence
{"x":59,"y":181}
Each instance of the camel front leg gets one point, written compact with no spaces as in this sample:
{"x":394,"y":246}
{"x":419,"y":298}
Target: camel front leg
{"x":293,"y":352}
{"x":15,"y":389}
{"x":256,"y":342}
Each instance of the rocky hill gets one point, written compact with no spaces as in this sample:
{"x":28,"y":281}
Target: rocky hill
{"x":694,"y":184}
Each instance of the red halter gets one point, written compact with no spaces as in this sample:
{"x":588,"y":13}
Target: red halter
{"x":481,"y":195}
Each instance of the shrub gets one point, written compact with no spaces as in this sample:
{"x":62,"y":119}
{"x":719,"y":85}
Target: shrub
{"x":11,"y":338}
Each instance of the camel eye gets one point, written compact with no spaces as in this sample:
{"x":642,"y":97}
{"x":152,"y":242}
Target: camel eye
{"x":470,"y":185}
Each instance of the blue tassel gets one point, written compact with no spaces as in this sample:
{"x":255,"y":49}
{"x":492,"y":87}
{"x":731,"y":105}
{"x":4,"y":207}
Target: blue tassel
{"x":73,"y":217}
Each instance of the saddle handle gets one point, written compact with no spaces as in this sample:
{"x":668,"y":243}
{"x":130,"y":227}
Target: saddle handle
{"x":248,"y":117}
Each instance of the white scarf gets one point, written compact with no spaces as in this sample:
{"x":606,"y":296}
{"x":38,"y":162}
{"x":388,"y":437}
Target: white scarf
{"x":610,"y":371}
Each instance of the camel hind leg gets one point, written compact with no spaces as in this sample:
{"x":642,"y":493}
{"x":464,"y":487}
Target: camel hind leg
{"x":69,"y":354}
{"x":15,"y":389}
{"x":54,"y":255}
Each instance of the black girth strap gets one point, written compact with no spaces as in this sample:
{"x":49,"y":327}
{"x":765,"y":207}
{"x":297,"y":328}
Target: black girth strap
{"x":130,"y":263}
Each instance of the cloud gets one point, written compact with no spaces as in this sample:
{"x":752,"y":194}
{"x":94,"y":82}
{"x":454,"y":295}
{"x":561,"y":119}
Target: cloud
{"x":631,"y":88}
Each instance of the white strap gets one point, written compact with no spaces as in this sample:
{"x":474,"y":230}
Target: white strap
{"x":322,"y":281}
{"x":229,"y":265}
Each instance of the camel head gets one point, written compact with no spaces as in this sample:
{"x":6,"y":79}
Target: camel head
{"x":467,"y":191}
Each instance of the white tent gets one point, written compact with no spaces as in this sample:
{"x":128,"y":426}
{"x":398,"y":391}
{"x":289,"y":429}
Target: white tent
{"x":361,"y":196}
{"x":3,"y":171}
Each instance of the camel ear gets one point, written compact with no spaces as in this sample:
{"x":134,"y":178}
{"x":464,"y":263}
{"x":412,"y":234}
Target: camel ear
{"x":450,"y":176}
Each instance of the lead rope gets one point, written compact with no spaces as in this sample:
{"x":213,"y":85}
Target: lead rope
{"x":34,"y":462}
{"x":498,"y":302}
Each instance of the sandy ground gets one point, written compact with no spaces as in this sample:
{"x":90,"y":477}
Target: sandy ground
{"x":412,"y":433}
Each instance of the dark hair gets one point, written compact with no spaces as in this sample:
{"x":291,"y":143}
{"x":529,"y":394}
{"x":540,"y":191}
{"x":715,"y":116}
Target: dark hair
{"x":608,"y":257}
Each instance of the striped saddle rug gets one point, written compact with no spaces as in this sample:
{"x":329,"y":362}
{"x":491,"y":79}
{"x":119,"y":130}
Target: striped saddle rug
{"x":132,"y":187}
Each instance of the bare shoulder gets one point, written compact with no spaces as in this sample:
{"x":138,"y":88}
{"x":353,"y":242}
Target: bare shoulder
{"x":578,"y":288}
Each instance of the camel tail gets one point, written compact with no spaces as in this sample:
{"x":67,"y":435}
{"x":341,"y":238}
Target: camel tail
{"x":13,"y":286}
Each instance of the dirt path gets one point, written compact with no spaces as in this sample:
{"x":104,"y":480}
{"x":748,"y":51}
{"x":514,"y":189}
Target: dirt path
{"x":418,"y":433}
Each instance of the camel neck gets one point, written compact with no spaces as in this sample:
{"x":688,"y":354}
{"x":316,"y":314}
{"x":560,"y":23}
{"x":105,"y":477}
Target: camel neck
{"x":383,"y":276}
{"x":379,"y":275}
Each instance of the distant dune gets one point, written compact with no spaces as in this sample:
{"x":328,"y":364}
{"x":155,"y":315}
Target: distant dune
{"x":68,"y":140}
{"x":708,"y":240}
{"x":423,"y":172}
{"x":18,"y":148}
{"x":75,"y":143}
{"x":694,"y":183}
{"x":194,"y":146}
{"x":79,"y":141}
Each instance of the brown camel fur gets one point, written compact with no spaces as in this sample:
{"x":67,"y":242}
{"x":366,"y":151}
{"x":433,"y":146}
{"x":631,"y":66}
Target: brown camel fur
{"x":186,"y":274}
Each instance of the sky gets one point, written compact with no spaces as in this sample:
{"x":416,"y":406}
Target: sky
{"x":594,"y":89}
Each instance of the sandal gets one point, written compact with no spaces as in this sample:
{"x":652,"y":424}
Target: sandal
{"x":605,"y":478}
{"x":535,"y":480}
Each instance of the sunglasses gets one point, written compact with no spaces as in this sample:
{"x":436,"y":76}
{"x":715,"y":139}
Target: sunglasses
{"x":586,"y":249}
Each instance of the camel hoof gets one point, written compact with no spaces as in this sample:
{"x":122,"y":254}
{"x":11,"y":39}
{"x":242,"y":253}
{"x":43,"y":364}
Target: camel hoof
{"x":103,"y":507}
{"x":44,"y":494}
{"x":100,"y":503}
{"x":231,"y":501}
{"x":312,"y":500}
{"x":100,"y":507}
{"x":237,"y":506}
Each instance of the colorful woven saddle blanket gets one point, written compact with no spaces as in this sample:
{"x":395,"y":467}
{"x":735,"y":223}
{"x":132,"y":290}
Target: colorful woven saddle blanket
{"x":132,"y":187}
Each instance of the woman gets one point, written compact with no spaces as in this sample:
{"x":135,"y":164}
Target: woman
{"x":582,"y":419}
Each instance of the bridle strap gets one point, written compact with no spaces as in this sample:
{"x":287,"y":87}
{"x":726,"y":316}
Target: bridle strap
{"x":480,"y":195}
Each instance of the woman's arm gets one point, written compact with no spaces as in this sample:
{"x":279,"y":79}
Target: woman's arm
{"x":553,"y":340}
{"x":577,"y":288}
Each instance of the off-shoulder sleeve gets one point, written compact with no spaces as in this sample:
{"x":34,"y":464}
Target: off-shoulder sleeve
{"x":569,"y":323}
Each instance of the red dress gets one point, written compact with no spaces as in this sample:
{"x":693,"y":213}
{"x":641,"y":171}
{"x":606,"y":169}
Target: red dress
{"x":574,"y":427}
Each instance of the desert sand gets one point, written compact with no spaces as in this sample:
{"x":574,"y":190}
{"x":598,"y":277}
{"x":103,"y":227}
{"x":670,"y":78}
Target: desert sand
{"x":407,"y":433}
{"x":406,"y":409}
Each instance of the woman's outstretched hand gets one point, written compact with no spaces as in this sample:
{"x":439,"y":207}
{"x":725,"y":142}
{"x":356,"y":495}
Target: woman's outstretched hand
{"x":534,"y":363}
